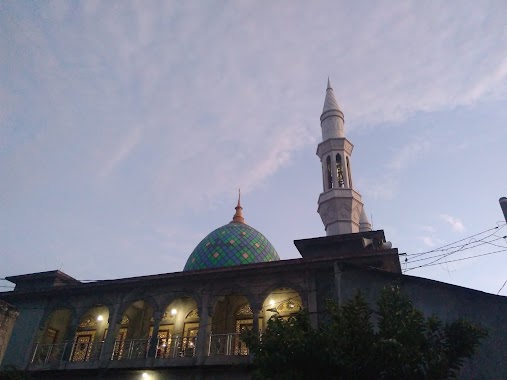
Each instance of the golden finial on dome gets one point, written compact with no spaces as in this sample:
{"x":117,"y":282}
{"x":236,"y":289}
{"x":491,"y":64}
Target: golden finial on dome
{"x":238,"y":216}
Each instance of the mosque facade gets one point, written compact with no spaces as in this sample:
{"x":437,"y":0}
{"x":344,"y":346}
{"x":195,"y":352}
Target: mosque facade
{"x":188,"y":324}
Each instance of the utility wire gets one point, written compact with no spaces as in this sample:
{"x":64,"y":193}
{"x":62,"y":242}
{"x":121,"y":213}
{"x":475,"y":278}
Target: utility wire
{"x":451,"y":261}
{"x":450,"y":245}
{"x":502,"y":287}
{"x":442,"y":255}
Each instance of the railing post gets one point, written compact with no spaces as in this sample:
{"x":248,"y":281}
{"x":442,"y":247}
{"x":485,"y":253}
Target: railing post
{"x":112,"y":352}
{"x":146,"y":349}
{"x":35,"y":351}
{"x":130,"y":350}
{"x":63,"y":351}
{"x":71,"y":352}
{"x":50,"y":348}
{"x":175,"y":346}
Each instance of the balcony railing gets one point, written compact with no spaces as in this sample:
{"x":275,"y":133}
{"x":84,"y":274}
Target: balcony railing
{"x":48,"y":353}
{"x":226,"y":344}
{"x":86,"y":351}
{"x":176,"y":346}
{"x":130,"y":349}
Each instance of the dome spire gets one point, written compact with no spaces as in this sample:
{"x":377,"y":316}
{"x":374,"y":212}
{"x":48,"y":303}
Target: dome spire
{"x":238,"y":216}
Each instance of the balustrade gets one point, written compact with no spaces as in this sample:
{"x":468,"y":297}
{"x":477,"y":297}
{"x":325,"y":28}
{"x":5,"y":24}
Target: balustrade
{"x":86,"y":351}
{"x":176,"y":346}
{"x":48,"y":353}
{"x":227,"y":344}
{"x":130,"y":349}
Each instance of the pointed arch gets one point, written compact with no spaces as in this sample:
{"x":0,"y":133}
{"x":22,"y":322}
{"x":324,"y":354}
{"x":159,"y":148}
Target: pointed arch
{"x":90,"y":333}
{"x":339,"y":170}
{"x":349,"y":173}
{"x":329,"y":173}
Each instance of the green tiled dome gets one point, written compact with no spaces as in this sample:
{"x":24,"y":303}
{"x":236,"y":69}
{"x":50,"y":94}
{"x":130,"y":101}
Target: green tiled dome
{"x":232,"y":244}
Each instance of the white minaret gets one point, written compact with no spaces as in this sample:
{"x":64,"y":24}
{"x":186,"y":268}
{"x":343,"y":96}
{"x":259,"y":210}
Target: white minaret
{"x":340,"y":206}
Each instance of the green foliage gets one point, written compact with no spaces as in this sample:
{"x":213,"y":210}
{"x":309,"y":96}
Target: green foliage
{"x":285,"y":351}
{"x":402,"y":345}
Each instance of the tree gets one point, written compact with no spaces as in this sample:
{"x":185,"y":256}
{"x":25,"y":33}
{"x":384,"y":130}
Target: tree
{"x":402,"y":344}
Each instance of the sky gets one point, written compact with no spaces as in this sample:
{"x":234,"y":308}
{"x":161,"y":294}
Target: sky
{"x":127,"y":127}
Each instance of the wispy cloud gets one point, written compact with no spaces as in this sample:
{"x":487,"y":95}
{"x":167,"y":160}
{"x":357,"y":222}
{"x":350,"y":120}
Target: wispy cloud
{"x":455,"y":223}
{"x":208,"y":98}
{"x":408,"y":153}
{"x":429,"y":229}
{"x":428,"y":241}
{"x":145,"y":65}
{"x":121,"y":152}
{"x":387,"y":184}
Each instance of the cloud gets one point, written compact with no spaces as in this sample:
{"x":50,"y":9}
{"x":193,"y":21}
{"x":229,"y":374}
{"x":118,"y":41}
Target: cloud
{"x":121,"y":152}
{"x":386,"y":186}
{"x":429,"y":229}
{"x":454,"y":222}
{"x":407,"y":154}
{"x":428,"y":241}
{"x":249,"y":104}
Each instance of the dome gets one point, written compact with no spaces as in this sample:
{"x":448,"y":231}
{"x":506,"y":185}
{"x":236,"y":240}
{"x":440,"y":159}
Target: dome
{"x":235,"y":243}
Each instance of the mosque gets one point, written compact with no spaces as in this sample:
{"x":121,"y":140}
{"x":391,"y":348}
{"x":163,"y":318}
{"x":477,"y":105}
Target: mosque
{"x":187,"y":325}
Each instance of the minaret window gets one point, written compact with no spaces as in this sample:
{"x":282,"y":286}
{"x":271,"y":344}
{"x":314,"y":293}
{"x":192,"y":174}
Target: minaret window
{"x":348,"y":172}
{"x":339,"y":171}
{"x":329,"y":175}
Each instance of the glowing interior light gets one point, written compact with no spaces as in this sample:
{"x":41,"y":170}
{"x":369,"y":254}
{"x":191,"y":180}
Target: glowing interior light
{"x":174,"y":311}
{"x":100,"y":318}
{"x":271,"y":303}
{"x":145,"y":375}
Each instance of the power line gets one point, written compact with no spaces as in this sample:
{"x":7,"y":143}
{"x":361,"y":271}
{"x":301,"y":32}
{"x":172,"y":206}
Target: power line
{"x":502,"y":287}
{"x":442,"y":255}
{"x":451,"y":261}
{"x":450,"y":245}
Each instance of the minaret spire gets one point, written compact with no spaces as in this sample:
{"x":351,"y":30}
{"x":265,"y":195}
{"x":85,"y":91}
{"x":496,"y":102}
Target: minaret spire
{"x":340,"y":206}
{"x":238,"y":216}
{"x":331,"y":120}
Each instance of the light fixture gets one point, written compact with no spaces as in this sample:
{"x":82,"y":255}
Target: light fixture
{"x":145,"y":375}
{"x":174,"y":311}
{"x":100,"y":318}
{"x":291,"y":305}
{"x":272,"y":303}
